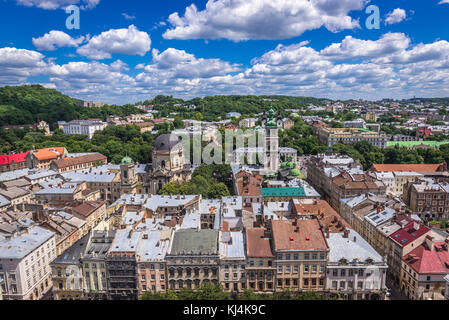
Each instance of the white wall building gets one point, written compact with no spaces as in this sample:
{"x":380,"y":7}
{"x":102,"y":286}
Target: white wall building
{"x":25,"y":272}
{"x":85,"y":127}
{"x":355,"y":271}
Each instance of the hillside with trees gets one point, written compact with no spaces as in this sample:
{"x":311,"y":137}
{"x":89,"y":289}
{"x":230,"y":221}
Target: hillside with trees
{"x":28,"y":104}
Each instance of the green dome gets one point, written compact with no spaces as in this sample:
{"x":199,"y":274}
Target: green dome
{"x":127,"y":160}
{"x":290,"y":165}
{"x":295,"y":172}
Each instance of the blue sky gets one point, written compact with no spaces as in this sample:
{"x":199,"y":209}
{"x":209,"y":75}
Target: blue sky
{"x":126,"y":51}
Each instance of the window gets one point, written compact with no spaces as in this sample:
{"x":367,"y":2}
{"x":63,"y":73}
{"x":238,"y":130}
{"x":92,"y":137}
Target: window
{"x":287,"y":269}
{"x":322,"y":256}
{"x":306,"y":268}
{"x":306,"y":256}
{"x":295,"y":268}
{"x":151,"y":266}
{"x":322,"y":268}
{"x":295,"y":256}
{"x":335,"y":273}
{"x":280,"y":256}
{"x":343,"y":272}
{"x":360,"y":285}
{"x":342,"y":284}
{"x":350,"y":284}
{"x":260,"y":263}
{"x":314,"y":256}
{"x":350,"y":272}
{"x":314,"y":268}
{"x":251,"y":263}
{"x":287,"y":256}
{"x":280,"y":269}
{"x":334,"y":284}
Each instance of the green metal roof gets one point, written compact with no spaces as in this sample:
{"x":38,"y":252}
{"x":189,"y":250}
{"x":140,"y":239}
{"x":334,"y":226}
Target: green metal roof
{"x":410,"y":144}
{"x":127,"y":160}
{"x":283,"y":192}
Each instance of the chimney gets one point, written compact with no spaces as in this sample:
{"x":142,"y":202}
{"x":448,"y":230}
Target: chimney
{"x":267,"y":234}
{"x":297,"y":229}
{"x":416,"y":225}
{"x":355,"y":239}
{"x":346,"y":233}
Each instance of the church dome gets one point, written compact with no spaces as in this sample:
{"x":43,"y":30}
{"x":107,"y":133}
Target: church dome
{"x":165,"y":142}
{"x":127,"y":160}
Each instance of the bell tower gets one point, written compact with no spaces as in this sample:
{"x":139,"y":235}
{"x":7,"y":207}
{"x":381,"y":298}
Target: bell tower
{"x":272,"y":152}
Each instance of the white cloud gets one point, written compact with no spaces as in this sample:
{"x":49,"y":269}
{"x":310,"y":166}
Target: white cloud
{"x":396,"y":16}
{"x":240,"y":20}
{"x":443,"y":1}
{"x":58,"y":4}
{"x":129,"y":41}
{"x":56,"y":39}
{"x":16,"y":65}
{"x":352,"y":48}
{"x":128,"y":17}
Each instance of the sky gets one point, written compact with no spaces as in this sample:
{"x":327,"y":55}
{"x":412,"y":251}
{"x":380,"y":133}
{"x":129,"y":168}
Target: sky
{"x":130,"y":51}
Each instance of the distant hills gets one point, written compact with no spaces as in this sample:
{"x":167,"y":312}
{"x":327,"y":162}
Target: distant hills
{"x":27,"y":104}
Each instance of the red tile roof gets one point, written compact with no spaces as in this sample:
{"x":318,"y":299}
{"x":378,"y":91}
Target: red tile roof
{"x":256,"y":245}
{"x":6,"y":159}
{"x":68,"y":162}
{"x":408,"y":167}
{"x":408,"y":233}
{"x":87,"y":208}
{"x":49,"y":153}
{"x":306,"y":235}
{"x":426,"y":261}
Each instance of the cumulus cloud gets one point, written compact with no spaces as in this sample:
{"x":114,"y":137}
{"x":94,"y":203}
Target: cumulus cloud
{"x":56,"y":39}
{"x":443,"y":1}
{"x":396,"y":16}
{"x":129,"y":41}
{"x":16,"y":65}
{"x":58,"y":4}
{"x":352,"y":48}
{"x":354,"y":68}
{"x":240,"y":20}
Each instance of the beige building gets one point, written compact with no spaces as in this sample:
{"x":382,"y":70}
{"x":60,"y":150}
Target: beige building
{"x":301,"y":255}
{"x":260,"y":267}
{"x":25,"y":272}
{"x":193,"y":259}
{"x":232,"y":261}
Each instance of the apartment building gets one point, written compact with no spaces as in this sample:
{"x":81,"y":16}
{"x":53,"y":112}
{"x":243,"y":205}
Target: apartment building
{"x":331,"y":136}
{"x":424,"y":269}
{"x":78,"y":163}
{"x":355,"y":271}
{"x":84,"y":127}
{"x":11,"y":162}
{"x":402,"y":242}
{"x":121,"y":265}
{"x":151,"y":262}
{"x":428,"y":198}
{"x":260,"y":267}
{"x":193,"y":259}
{"x":25,"y":258}
{"x":321,"y":169}
{"x":373,"y":221}
{"x":93,"y":261}
{"x":67,"y":272}
{"x":300,"y":255}
{"x":352,"y":184}
{"x":42,"y":158}
{"x":232,"y":261}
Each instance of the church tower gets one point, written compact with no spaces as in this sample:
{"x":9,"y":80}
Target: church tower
{"x":272,"y":152}
{"x":128,"y":176}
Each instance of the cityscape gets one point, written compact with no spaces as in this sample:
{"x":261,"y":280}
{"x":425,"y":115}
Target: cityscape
{"x":291,"y":174}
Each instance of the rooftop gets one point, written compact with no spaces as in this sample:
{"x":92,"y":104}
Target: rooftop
{"x":410,"y":232}
{"x":21,"y":245}
{"x":352,"y":248}
{"x":257,"y":245}
{"x":189,"y":241}
{"x":305,"y":235}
